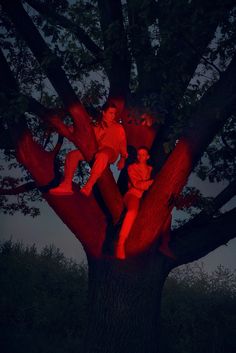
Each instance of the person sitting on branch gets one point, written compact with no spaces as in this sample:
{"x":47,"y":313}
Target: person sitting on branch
{"x":111,"y":139}
{"x":139,"y":174}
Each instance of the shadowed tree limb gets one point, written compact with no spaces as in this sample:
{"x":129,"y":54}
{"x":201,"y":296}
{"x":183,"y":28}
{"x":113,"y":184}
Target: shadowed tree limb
{"x":8,"y":82}
{"x":210,"y":114}
{"x":50,"y":14}
{"x":19,"y":189}
{"x":115,"y":46}
{"x":193,"y":244}
{"x":206,"y":214}
{"x":193,"y":44}
{"x":49,"y":61}
{"x":141,"y":43}
{"x":182,"y":67}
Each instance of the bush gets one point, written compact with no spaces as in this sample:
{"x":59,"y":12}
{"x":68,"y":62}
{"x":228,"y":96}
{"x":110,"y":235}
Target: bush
{"x":42,"y":300}
{"x":199,"y":311}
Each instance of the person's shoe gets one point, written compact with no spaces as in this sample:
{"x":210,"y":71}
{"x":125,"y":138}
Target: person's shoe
{"x":86,"y":190}
{"x":61,"y":190}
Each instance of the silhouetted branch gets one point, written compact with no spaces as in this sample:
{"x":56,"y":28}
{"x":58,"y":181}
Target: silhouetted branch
{"x":206,"y":214}
{"x":50,"y":13}
{"x":19,"y":189}
{"x":192,"y":245}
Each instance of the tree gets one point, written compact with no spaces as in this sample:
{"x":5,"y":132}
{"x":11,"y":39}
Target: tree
{"x":176,"y":61}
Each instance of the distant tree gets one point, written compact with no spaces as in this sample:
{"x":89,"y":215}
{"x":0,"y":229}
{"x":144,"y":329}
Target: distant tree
{"x":198,"y":311}
{"x":173,"y":60}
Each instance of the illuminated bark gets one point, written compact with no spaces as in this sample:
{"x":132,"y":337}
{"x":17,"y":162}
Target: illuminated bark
{"x":76,"y":211}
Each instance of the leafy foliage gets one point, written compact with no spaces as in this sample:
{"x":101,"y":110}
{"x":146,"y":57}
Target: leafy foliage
{"x":218,"y":162}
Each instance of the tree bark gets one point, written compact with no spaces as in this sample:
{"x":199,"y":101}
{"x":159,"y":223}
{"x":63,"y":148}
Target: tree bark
{"x":124,"y":305}
{"x":117,"y":64}
{"x":191,"y":243}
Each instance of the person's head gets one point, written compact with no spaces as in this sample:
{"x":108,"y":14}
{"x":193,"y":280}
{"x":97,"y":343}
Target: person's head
{"x":147,"y":119}
{"x":142,"y":154}
{"x":109,"y":112}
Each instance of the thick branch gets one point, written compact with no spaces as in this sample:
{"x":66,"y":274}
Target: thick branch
{"x":43,"y":54}
{"x":156,"y":209}
{"x":19,"y":189}
{"x":8,"y":82}
{"x":115,"y":46}
{"x":64,"y":22}
{"x":213,"y":111}
{"x":141,"y":44}
{"x":76,"y":211}
{"x":191,"y":245}
{"x":205,"y":215}
{"x":177,"y":31}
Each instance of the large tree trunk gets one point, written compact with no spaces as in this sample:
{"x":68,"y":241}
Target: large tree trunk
{"x":124,"y":304}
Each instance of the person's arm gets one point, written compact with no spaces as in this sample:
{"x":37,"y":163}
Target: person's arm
{"x":136,"y":181}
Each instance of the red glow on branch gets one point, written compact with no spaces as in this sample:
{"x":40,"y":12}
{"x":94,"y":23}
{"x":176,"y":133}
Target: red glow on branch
{"x":156,"y":208}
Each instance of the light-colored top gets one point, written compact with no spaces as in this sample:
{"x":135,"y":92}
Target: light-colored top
{"x":139,"y":179}
{"x":112,"y":136}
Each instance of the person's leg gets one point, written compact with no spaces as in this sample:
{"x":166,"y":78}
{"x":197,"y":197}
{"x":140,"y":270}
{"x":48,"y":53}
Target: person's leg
{"x":102,"y":159}
{"x":132,"y":205}
{"x":71,"y":163}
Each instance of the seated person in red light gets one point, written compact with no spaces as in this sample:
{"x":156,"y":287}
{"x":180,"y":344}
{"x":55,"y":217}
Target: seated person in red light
{"x":111,"y":139}
{"x":139,"y":181}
